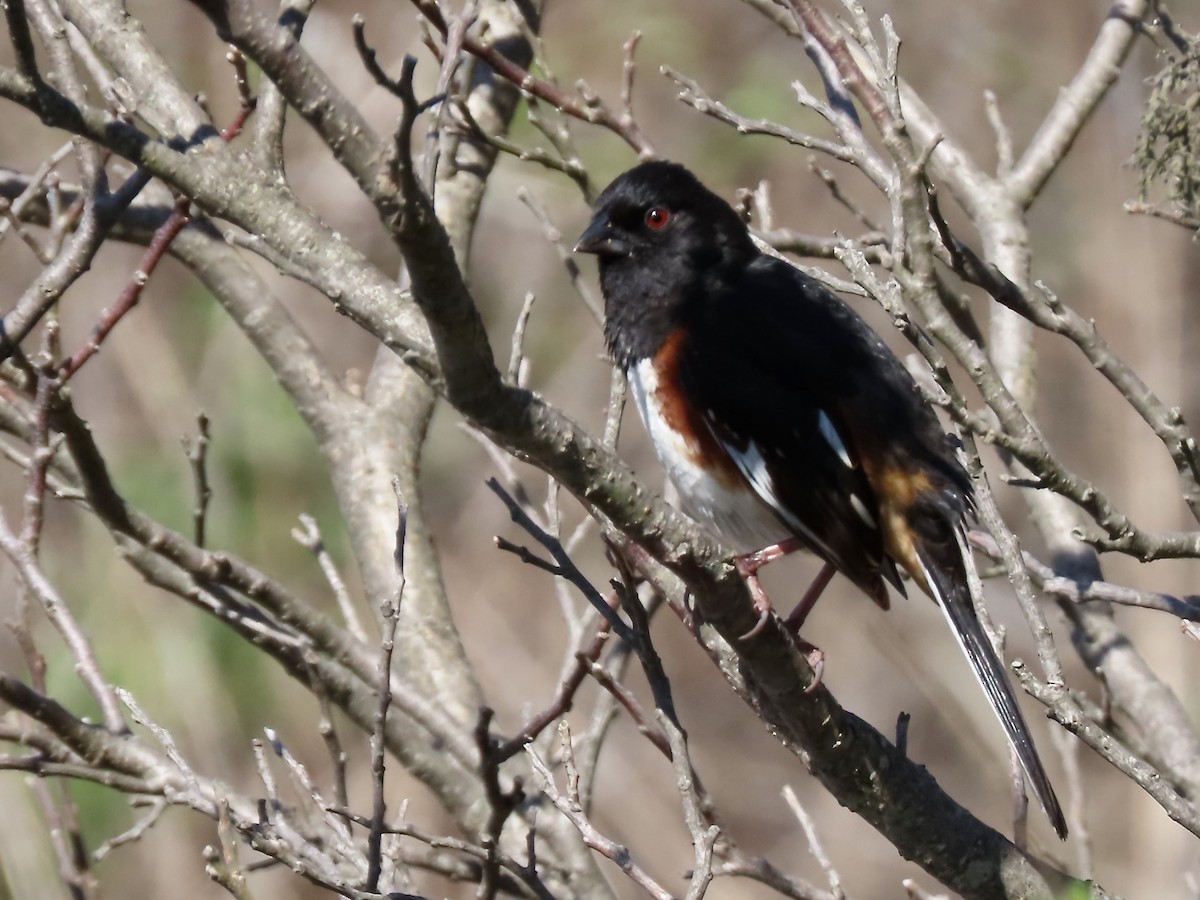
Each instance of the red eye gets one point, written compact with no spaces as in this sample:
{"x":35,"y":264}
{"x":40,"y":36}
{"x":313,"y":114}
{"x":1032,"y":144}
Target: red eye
{"x":657,"y":217}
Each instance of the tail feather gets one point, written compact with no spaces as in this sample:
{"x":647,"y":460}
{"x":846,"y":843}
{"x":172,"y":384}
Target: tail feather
{"x":943,"y":565}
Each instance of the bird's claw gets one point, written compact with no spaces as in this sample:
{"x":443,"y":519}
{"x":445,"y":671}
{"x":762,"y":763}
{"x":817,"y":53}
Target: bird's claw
{"x":763,"y":617}
{"x":762,"y":605}
{"x":816,"y":659}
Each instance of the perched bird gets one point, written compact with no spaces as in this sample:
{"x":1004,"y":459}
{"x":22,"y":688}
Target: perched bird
{"x":781,"y":417}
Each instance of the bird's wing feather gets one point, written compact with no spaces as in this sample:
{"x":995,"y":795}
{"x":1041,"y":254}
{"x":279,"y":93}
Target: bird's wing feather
{"x":801,"y":458}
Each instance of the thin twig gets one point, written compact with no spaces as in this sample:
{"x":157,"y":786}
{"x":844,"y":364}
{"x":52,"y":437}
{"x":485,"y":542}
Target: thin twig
{"x":132,"y":292}
{"x":703,"y":833}
{"x":221,"y":862}
{"x":916,"y":892}
{"x":1076,"y":793}
{"x":570,"y":807}
{"x":903,"y":719}
{"x":694,"y":96}
{"x":338,"y":836}
{"x":329,"y":734}
{"x":308,"y":536}
{"x":1065,"y":710}
{"x":501,"y":803}
{"x":564,"y":697}
{"x":390,"y":615}
{"x":1044,"y":577}
{"x":588,"y":108}
{"x":86,"y":663}
{"x":517,"y":360}
{"x":572,"y":166}
{"x":157,"y":807}
{"x":1175,"y":216}
{"x":452,"y":58}
{"x":618,"y":390}
{"x":553,"y":236}
{"x":814,"y":842}
{"x":562,"y":565}
{"x":40,"y":450}
{"x":646,"y":726}
{"x":628,"y":71}
{"x":197,"y":456}
{"x":526,"y":873}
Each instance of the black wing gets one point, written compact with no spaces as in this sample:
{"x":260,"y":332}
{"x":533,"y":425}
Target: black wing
{"x":778,"y":365}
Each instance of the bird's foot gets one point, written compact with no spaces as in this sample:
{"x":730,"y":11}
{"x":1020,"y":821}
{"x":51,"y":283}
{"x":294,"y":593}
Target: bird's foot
{"x":748,"y":565}
{"x":762,"y":603}
{"x":816,"y":659}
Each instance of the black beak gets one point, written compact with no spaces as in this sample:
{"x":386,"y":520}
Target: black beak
{"x":600,"y":238}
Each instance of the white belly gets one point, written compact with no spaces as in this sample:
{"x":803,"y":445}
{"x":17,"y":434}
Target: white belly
{"x":738,"y":517}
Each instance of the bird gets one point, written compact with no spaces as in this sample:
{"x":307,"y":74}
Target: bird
{"x":782,"y":419}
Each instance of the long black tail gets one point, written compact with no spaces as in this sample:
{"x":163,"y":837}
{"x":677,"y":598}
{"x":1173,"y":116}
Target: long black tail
{"x":944,"y":568}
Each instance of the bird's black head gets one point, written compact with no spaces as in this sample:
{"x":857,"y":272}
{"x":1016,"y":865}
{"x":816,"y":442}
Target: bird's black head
{"x":664,"y":241}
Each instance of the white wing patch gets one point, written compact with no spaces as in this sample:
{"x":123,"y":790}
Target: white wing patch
{"x":863,"y":513}
{"x":833,"y":439}
{"x":750,"y":462}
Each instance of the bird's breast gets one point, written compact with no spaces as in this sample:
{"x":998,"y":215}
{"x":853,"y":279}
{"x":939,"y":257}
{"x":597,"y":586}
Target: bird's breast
{"x":709,"y":483}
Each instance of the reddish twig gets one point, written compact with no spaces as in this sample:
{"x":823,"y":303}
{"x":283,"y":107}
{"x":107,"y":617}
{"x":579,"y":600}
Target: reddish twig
{"x":564,"y":697}
{"x":129,"y":297}
{"x":163,"y":237}
{"x":811,"y":19}
{"x":588,"y":109}
{"x":624,"y":696}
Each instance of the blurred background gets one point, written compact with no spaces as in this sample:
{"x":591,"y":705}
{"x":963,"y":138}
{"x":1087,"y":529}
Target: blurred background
{"x":176,"y":354}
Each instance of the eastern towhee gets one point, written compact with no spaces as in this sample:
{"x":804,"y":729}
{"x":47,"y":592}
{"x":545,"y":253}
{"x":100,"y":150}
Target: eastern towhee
{"x":781,"y":417}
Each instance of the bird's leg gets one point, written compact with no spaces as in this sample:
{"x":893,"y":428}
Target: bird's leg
{"x":796,"y":617}
{"x":814,"y":654}
{"x":749,"y":563}
{"x":748,"y":566}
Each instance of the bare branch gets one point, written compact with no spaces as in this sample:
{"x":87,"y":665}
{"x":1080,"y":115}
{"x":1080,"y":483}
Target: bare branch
{"x":197,"y":456}
{"x":570,"y":807}
{"x":694,"y":96}
{"x":1044,"y":577}
{"x":588,"y":108}
{"x":133,"y":290}
{"x":309,"y":537}
{"x":86,"y":664}
{"x":1066,"y":711}
{"x":1076,"y":102}
{"x":814,"y":843}
{"x":390,"y":614}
